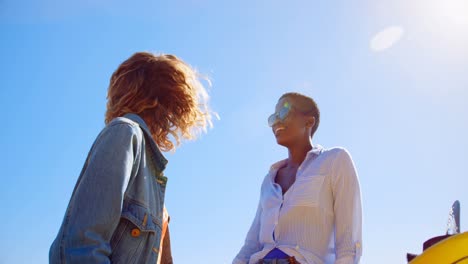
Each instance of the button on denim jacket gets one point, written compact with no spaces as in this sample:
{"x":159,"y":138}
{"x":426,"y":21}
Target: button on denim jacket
{"x":115,"y":212}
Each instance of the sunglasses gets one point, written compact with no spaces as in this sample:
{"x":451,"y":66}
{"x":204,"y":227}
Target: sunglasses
{"x":280,"y":115}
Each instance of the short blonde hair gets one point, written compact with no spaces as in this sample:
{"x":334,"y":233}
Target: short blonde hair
{"x":164,"y":91}
{"x":308,"y":106}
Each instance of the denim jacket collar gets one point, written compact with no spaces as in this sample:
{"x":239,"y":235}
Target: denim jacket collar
{"x":158,"y":158}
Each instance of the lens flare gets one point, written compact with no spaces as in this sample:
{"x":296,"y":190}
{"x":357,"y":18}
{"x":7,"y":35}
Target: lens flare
{"x":386,"y":38}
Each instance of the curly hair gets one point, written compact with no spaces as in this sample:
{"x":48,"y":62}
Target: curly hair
{"x":308,"y":105}
{"x":164,"y":91}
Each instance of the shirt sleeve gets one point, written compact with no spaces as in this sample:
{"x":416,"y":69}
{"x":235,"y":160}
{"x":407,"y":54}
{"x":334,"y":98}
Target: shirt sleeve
{"x":347,"y":209}
{"x":251,"y":244}
{"x":96,"y":204}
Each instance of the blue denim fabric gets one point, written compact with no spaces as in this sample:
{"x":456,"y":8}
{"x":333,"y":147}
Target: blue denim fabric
{"x":115,"y":211}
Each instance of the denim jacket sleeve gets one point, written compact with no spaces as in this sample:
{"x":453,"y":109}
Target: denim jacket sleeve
{"x":96,"y":203}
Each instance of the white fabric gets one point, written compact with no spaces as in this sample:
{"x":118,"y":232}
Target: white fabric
{"x":319,"y":219}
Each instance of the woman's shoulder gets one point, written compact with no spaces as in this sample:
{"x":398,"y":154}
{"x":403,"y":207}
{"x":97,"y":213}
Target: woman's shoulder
{"x":122,"y":127}
{"x":123,"y":123}
{"x":336,"y":155}
{"x":336,"y":151}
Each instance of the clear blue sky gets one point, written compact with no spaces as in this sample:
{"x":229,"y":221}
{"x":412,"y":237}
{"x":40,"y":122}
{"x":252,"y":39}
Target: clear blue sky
{"x":396,"y":98}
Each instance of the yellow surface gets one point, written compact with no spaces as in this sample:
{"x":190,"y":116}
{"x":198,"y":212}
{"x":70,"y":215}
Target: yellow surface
{"x":452,"y":250}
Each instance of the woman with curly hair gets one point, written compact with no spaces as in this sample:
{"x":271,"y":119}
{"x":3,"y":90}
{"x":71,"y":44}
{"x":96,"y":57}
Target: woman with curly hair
{"x":116,"y":213}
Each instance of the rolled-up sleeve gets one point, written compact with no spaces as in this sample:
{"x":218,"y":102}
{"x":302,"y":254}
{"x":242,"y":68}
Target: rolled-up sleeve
{"x":347,"y":209}
{"x":96,"y":204}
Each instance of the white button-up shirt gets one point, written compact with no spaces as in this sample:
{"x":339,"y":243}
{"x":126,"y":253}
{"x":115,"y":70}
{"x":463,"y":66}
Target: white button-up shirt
{"x":318,"y":220}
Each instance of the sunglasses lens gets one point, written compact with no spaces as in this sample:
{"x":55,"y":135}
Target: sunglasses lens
{"x":283,"y":113}
{"x":271,"y":119}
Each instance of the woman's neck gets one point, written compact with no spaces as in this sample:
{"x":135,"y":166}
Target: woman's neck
{"x":298,"y":153}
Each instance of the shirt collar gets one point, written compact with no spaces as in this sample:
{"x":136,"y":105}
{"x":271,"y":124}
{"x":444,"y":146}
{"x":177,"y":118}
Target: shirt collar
{"x":316,"y":150}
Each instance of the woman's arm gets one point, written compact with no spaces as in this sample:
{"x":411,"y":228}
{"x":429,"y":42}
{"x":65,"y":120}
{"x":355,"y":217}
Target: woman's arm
{"x":95,"y":207}
{"x":348,"y":211}
{"x":251,"y":244}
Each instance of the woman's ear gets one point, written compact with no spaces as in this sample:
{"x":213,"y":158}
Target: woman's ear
{"x":310,"y":121}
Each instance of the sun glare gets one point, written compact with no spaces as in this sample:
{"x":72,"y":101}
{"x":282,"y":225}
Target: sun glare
{"x":447,"y":20}
{"x":448,"y":15}
{"x":455,"y":11}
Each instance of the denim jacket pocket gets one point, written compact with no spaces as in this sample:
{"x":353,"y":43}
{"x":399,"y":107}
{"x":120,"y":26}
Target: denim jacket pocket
{"x":136,"y":238}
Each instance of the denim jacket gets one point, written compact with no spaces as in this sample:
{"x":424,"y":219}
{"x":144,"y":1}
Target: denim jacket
{"x":115,"y":212}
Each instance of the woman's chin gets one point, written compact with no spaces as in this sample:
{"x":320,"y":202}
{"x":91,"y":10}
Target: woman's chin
{"x":281,"y":141}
